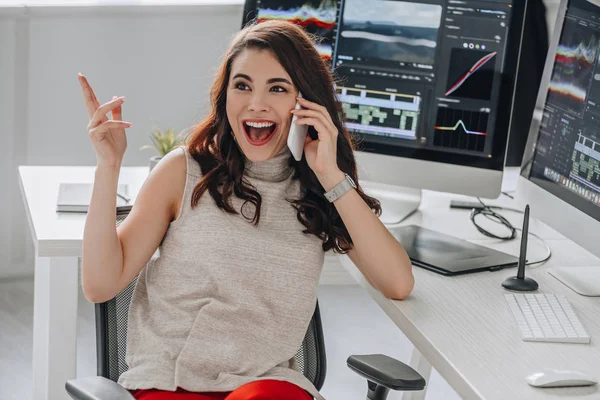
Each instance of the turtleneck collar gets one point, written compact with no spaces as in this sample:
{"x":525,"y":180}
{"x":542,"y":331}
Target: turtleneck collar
{"x":275,"y":169}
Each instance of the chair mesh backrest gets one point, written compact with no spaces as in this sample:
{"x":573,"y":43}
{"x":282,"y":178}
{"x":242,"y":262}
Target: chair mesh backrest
{"x":112,"y":321}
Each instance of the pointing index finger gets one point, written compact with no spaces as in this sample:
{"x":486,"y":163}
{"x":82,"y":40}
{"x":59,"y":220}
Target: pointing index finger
{"x":90,"y":100}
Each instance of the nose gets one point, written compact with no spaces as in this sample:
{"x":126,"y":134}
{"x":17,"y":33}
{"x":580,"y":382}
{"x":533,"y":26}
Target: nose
{"x":258,"y":103}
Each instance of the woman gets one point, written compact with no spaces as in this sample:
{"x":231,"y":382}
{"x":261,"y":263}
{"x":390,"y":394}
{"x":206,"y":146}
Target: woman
{"x":242,"y":229}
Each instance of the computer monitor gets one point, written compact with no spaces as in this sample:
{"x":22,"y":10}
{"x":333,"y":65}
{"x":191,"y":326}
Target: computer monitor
{"x":427,"y":89}
{"x":560,"y":174}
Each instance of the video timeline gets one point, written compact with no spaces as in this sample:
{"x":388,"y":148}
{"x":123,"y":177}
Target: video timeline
{"x":380,"y":113}
{"x":586,"y":163}
{"x":573,"y":186}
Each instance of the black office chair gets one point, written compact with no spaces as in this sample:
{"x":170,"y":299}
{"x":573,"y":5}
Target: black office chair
{"x":382,"y":372}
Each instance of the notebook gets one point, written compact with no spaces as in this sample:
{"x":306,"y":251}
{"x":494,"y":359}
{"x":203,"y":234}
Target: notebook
{"x":75,"y":197}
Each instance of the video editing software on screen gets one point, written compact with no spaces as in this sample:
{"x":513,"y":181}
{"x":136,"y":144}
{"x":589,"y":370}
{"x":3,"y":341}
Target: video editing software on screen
{"x":414,"y":74}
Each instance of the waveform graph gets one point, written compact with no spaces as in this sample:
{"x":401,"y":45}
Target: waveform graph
{"x":317,"y":17}
{"x":460,"y":129}
{"x":573,"y":67}
{"x":471,"y":74}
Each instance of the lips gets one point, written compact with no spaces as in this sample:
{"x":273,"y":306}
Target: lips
{"x":258,"y":135}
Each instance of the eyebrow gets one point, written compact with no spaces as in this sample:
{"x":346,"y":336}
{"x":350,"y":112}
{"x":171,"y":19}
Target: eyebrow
{"x":272,"y":80}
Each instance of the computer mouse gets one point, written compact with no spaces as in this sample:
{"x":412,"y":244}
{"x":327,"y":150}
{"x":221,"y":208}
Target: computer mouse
{"x":549,"y":377}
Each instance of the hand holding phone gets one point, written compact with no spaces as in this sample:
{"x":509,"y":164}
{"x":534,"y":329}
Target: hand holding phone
{"x":297,"y":135}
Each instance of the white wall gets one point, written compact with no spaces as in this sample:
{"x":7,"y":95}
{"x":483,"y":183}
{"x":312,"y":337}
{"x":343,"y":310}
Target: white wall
{"x":7,"y":44}
{"x":14,"y":260}
{"x":161,"y":58}
{"x":164,"y":64}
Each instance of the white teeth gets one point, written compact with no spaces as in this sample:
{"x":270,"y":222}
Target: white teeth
{"x":260,"y":124}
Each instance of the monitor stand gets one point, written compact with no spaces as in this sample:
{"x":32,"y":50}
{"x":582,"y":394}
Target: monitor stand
{"x":582,"y":280}
{"x":397,"y":203}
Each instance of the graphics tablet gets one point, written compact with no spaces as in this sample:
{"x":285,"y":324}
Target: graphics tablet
{"x":447,"y":255}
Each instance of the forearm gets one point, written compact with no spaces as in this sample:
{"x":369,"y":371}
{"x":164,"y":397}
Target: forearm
{"x":379,"y":256}
{"x":102,"y":260}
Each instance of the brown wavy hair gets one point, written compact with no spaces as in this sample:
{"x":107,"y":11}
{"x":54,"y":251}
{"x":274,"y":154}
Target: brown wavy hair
{"x":222,"y":163}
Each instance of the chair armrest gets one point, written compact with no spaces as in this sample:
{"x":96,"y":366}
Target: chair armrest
{"x":97,"y":388}
{"x":386,"y":371}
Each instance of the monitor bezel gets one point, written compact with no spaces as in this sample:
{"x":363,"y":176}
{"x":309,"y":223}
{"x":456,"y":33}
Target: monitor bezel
{"x":249,"y":12}
{"x":529,"y":154}
{"x":504,"y":111}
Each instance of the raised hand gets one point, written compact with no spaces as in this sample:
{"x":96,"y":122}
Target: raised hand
{"x":107,"y":135}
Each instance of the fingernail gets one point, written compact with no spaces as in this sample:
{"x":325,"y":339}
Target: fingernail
{"x":80,"y":74}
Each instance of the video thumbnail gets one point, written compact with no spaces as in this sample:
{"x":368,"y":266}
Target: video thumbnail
{"x":390,"y":30}
{"x":317,"y":17}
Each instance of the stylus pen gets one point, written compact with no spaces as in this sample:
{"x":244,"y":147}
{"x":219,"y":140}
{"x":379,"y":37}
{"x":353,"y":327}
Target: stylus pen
{"x":523,"y":254}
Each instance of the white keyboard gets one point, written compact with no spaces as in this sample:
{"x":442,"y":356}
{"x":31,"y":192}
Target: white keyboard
{"x":546,"y":317}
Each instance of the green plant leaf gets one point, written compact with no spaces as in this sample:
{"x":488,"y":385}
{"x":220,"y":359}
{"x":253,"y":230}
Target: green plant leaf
{"x":165,"y":141}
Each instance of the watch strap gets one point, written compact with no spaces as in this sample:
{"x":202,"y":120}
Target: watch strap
{"x":338,"y":190}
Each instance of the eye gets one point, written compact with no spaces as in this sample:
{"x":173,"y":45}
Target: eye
{"x":279,"y":89}
{"x":241,"y":86}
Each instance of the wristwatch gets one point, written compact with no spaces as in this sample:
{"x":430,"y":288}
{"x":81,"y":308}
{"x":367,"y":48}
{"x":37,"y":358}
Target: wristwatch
{"x":339,"y":189}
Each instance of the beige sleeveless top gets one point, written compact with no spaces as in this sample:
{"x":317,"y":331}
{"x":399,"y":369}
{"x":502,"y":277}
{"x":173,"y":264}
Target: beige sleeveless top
{"x":226,"y":302}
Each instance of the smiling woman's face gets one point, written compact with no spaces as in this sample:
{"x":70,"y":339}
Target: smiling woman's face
{"x":260,"y":95}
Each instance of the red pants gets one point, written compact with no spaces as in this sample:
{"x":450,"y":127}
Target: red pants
{"x":267,"y":389}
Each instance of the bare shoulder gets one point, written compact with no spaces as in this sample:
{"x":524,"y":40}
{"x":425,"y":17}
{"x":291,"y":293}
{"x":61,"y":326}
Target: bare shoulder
{"x":175,"y":159}
{"x":171,"y":172}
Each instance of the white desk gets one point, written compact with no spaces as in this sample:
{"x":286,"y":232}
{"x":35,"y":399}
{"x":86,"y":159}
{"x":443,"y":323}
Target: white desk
{"x":57,"y":238}
{"x":462,"y":327}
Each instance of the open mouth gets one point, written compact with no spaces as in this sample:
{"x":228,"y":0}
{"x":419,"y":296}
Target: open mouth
{"x":259,"y":133}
